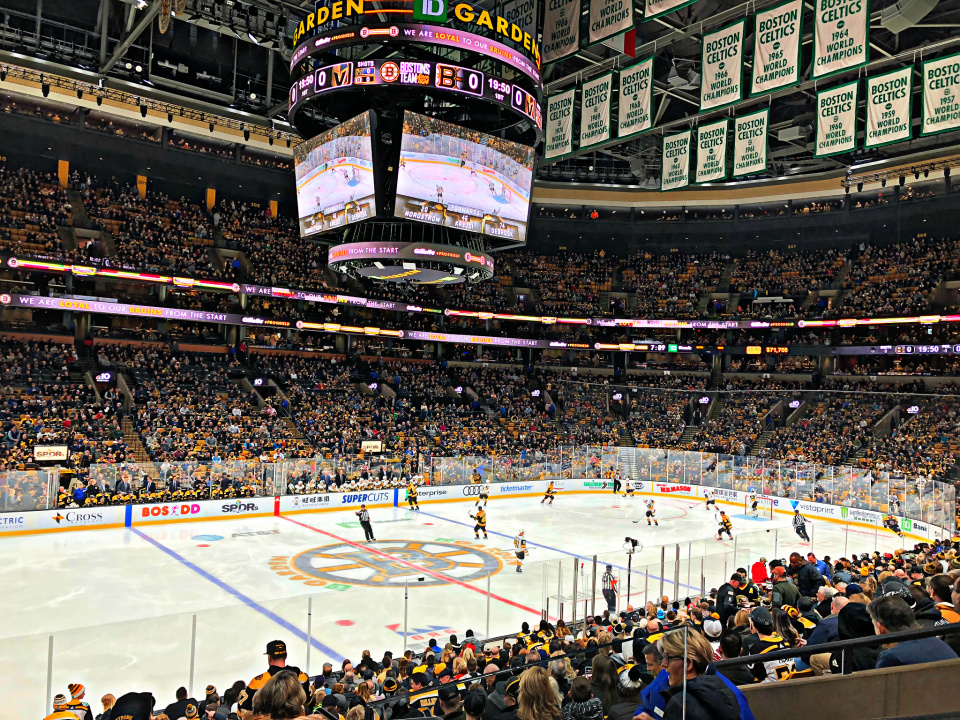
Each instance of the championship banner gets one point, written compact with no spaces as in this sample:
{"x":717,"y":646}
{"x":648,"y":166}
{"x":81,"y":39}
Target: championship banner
{"x":776,"y":47}
{"x":561,"y":30}
{"x":655,"y":8}
{"x":889,"y":107}
{"x":837,"y":120}
{"x":609,"y":18}
{"x":721,"y":81}
{"x":941,"y":95}
{"x":558,"y":138}
{"x":841,"y":36}
{"x":595,"y":111}
{"x":522,"y":13}
{"x":712,"y":151}
{"x":635,"y":113}
{"x":675,"y":168}
{"x":750,"y":143}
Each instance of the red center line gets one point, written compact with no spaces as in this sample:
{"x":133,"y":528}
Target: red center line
{"x":432,"y":573}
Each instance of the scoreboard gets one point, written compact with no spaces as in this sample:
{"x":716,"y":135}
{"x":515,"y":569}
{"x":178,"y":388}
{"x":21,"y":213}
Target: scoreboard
{"x":437,"y":76}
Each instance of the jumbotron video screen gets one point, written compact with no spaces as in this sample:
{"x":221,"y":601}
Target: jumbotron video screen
{"x":334,"y":173}
{"x":463,"y":179}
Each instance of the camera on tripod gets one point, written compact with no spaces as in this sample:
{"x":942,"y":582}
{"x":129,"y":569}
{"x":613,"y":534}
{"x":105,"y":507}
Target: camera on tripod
{"x":630,"y":541}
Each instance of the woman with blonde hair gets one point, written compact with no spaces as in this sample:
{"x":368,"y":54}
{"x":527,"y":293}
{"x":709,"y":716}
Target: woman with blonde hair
{"x":869,"y":586}
{"x":538,"y":699}
{"x":459,"y":668}
{"x":605,"y":638}
{"x":468,"y":655}
{"x":281,"y":697}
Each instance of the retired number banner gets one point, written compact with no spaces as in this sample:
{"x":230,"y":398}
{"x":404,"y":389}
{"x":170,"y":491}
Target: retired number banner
{"x":635,"y":113}
{"x":750,"y":143}
{"x":721,"y":81}
{"x":776,"y":47}
{"x":941,"y":95}
{"x":675,"y":169}
{"x":561,"y":29}
{"x":889,"y":106}
{"x":609,"y":18}
{"x":837,"y":120}
{"x":656,"y":8}
{"x":595,"y":111}
{"x":712,"y":151}
{"x":559,"y":125}
{"x":841,"y":35}
{"x":522,"y":13}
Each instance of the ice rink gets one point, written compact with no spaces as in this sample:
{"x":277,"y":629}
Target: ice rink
{"x":330,"y":187}
{"x":124,"y":607}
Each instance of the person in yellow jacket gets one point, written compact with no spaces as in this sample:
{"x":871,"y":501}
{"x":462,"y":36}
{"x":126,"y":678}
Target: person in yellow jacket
{"x":725,"y":526}
{"x":412,"y":496}
{"x":481,"y":518}
{"x":550,"y":494}
{"x":60,"y":711}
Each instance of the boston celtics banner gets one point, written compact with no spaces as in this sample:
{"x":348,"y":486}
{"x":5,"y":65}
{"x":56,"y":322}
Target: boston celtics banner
{"x":841,"y":35}
{"x":675,"y":170}
{"x":889,"y":105}
{"x":721,"y":81}
{"x":712,"y":152}
{"x":609,"y":18}
{"x":750,"y":143}
{"x":561,"y":30}
{"x":636,"y":98}
{"x":595,"y":111}
{"x":559,"y":126}
{"x":776,"y":47}
{"x":941,"y":95}
{"x":837,"y":120}
{"x":656,"y":8}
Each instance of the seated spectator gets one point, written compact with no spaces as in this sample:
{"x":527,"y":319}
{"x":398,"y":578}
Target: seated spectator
{"x":892,"y":614}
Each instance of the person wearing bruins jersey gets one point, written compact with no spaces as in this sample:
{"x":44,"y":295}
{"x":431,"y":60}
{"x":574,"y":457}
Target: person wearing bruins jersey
{"x":276,"y":661}
{"x":520,"y":550}
{"x":765,"y":639}
{"x":550,"y":494}
{"x":725,"y":526}
{"x":422,"y":700}
{"x":481,"y":518}
{"x":412,"y":496}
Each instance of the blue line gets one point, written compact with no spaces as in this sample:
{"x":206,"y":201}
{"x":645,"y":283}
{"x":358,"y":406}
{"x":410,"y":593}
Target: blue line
{"x":246,"y":600}
{"x":558,"y":550}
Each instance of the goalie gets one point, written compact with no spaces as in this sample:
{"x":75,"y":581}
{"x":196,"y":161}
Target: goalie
{"x":754,"y":504}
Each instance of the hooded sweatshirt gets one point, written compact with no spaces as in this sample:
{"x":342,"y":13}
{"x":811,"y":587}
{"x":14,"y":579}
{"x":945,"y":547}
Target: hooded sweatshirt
{"x":708,"y":698}
{"x":853,"y":621}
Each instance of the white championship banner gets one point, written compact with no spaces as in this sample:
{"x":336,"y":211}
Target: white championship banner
{"x":837,"y":120}
{"x":841,"y":35}
{"x":889,"y":107}
{"x":656,"y":8}
{"x":776,"y":47}
{"x":750,"y":143}
{"x":558,"y":133}
{"x":712,"y":151}
{"x":721,"y":81}
{"x":609,"y":18}
{"x":522,"y":13}
{"x":595,"y":111}
{"x":941,"y":95}
{"x":635,"y":112}
{"x":675,"y":170}
{"x":561,"y":30}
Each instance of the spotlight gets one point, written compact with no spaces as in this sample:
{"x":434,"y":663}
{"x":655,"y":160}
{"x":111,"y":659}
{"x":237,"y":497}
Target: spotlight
{"x":143,"y":111}
{"x":169,"y":117}
{"x":141,"y":4}
{"x":139,"y":68}
{"x":211,"y":127}
{"x":246,"y":136}
{"x":253,"y":39}
{"x":859,"y":187}
{"x":253,"y":96}
{"x":902,"y":180}
{"x":79,"y":94}
{"x":45,"y":89}
{"x":99,"y":100}
{"x":128,"y":66}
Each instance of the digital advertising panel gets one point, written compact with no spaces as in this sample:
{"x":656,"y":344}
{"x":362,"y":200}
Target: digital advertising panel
{"x":463,"y":179}
{"x":334,"y":172}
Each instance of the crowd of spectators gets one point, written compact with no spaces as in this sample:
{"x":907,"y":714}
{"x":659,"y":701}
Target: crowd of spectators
{"x":781,"y":274}
{"x":671,"y":284}
{"x":567,"y":285}
{"x":32,"y":206}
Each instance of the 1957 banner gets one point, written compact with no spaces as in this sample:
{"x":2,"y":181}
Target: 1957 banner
{"x":941,"y":95}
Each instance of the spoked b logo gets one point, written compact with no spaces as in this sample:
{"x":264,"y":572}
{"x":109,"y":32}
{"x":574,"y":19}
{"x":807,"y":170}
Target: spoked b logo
{"x":430,"y":10}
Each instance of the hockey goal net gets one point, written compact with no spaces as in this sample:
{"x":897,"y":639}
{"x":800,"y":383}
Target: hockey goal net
{"x":764,"y":509}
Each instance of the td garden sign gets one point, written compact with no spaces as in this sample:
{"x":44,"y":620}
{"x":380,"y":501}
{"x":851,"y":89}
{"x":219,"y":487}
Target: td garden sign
{"x":430,"y":11}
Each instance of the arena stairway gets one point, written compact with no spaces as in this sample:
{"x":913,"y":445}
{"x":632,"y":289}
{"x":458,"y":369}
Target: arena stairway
{"x":134,"y":444}
{"x":723,"y":285}
{"x":759,"y":443}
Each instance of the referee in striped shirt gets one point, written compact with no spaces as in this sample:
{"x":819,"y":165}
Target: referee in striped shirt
{"x":610,"y":589}
{"x":364,"y":516}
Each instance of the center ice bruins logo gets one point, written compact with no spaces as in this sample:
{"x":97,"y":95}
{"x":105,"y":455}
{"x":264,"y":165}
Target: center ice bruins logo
{"x":389,"y":563}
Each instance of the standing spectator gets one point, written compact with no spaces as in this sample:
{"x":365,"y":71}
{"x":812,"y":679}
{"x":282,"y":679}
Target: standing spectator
{"x":178,"y":708}
{"x":758,"y":571}
{"x":276,"y":661}
{"x":727,"y":598}
{"x":806,"y":575}
{"x":891,"y":614}
{"x":784,"y":592}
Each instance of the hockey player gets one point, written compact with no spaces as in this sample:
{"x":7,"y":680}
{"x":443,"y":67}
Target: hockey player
{"x":753,"y":505}
{"x":725,"y":526}
{"x":628,"y":488}
{"x":711,"y":497}
{"x":412,"y":496}
{"x":800,"y":525}
{"x":481,"y":518}
{"x":484,"y":495}
{"x":891,"y":524}
{"x":652,"y":512}
{"x":550,"y":494}
{"x":520,"y":549}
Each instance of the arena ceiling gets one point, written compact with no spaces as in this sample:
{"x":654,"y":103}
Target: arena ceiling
{"x":234,"y":55}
